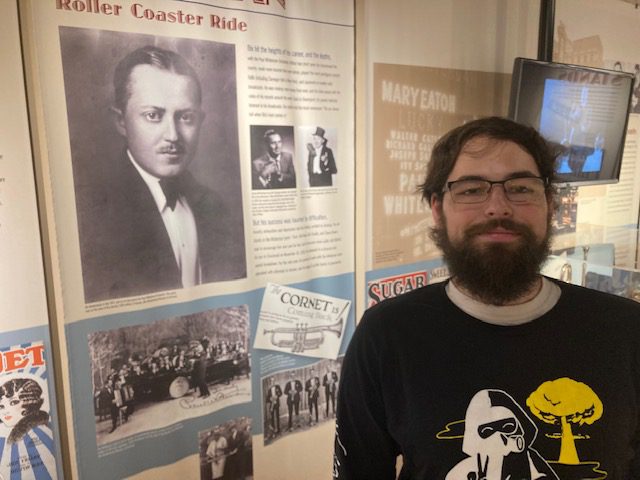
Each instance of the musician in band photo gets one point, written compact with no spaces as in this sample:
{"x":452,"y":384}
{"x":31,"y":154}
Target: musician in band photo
{"x":111,"y":396}
{"x":312,"y":387}
{"x":216,"y":453}
{"x":225,"y":451}
{"x":273,"y":406}
{"x":330,"y":384}
{"x":235,"y":442}
{"x":200,"y":371}
{"x":292,"y":390}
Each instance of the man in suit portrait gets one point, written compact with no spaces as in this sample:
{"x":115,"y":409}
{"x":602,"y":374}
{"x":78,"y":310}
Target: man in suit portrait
{"x":320,"y":165}
{"x":292,"y":390}
{"x":146,"y":225}
{"x":274,"y":392}
{"x":312,"y":387}
{"x":330,"y":384}
{"x":273,"y":169}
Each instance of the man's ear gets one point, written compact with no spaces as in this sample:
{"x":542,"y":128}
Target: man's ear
{"x":436,"y":208}
{"x":118,"y":120}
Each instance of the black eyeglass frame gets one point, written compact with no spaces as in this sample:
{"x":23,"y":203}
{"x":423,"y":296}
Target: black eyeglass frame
{"x":545,"y":183}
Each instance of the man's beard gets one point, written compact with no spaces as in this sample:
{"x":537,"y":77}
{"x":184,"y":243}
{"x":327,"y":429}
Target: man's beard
{"x":494,"y":273}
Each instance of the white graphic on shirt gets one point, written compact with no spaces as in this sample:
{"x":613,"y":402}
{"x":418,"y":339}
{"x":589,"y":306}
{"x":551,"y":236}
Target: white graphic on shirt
{"x":336,"y":460}
{"x":498,"y":439}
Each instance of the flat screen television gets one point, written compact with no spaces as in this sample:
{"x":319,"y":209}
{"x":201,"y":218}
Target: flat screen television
{"x":582,"y":110}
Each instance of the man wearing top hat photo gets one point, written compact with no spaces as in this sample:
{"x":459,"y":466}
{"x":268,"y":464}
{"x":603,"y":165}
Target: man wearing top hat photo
{"x":321,"y":164}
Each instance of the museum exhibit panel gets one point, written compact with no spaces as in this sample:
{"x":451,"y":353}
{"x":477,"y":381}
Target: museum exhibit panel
{"x":200,"y":199}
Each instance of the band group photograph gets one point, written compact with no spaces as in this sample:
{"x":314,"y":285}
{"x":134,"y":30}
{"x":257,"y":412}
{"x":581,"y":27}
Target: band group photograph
{"x":226,"y":451}
{"x":150,"y":376}
{"x":298,"y":399}
{"x":155,"y":161}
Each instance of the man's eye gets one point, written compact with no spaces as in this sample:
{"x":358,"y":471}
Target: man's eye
{"x":152,"y":116}
{"x":519,"y":189}
{"x":189,"y":118}
{"x":472,"y":191}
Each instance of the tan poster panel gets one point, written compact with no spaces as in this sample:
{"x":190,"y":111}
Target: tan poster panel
{"x":413,"y":106}
{"x":29,"y":432}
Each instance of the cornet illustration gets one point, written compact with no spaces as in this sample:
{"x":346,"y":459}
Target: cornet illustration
{"x":302,"y":337}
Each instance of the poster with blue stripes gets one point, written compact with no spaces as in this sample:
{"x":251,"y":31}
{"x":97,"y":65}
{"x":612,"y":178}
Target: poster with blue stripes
{"x":27,"y":448}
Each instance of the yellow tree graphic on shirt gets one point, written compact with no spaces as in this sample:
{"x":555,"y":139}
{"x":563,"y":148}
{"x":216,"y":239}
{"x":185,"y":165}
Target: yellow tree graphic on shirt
{"x":566,"y":402}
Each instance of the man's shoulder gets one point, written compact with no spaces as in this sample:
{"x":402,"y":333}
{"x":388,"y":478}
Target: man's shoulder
{"x":594,"y":296}
{"x":595,"y":303}
{"x":198,"y":193}
{"x":326,"y":150}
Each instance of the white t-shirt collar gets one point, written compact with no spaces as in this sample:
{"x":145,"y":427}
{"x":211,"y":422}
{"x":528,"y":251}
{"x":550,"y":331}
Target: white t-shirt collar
{"x":506,"y":315}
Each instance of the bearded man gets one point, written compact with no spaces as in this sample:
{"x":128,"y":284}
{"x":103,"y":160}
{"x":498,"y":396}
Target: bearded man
{"x":492,"y":373}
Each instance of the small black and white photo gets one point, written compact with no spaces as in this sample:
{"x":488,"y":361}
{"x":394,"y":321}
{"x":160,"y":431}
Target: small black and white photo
{"x":272,"y":162}
{"x":153,"y":136}
{"x":320,"y":143}
{"x":226,"y":451}
{"x":635,"y":98}
{"x":146,"y":377}
{"x":299,"y":399}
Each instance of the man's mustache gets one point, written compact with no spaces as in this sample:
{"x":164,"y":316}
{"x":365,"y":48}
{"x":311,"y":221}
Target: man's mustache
{"x":504,"y":223}
{"x":174,"y":148}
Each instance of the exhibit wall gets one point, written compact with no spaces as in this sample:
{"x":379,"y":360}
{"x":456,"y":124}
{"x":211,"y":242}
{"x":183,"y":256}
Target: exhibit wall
{"x":450,"y":62}
{"x":424,"y":67}
{"x":219,"y":189}
{"x":29,"y":435}
{"x":196,"y":176}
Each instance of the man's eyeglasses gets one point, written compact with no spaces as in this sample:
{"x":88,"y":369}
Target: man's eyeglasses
{"x":517,"y":190}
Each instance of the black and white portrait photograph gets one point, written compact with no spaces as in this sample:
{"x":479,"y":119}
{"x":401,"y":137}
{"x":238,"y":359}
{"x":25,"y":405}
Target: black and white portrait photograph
{"x":299,"y":399}
{"x":153,"y":135}
{"x":226,"y":451}
{"x":272,"y":163}
{"x":150,"y":376}
{"x":635,"y":99}
{"x":320,"y":164}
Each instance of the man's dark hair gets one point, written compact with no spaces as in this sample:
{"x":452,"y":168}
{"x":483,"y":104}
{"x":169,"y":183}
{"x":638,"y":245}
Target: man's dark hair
{"x":268,"y":133}
{"x":446,"y":150}
{"x":156,"y":57}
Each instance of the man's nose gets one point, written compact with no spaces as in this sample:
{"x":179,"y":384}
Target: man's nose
{"x":498,"y":205}
{"x":171,"y":133}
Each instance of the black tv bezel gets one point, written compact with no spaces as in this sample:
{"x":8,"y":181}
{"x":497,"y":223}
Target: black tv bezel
{"x":514,"y":101}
